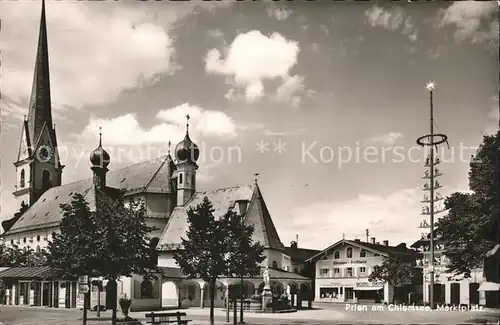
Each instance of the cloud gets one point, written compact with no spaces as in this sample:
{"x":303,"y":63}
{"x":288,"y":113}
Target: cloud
{"x":96,"y":49}
{"x":394,"y":217}
{"x":476,"y":21}
{"x":288,"y":90}
{"x":279,"y":13}
{"x":252,"y":58}
{"x":493,"y":119}
{"x":386,"y":139}
{"x":126,"y":130}
{"x":395,"y":19}
{"x":216,"y":33}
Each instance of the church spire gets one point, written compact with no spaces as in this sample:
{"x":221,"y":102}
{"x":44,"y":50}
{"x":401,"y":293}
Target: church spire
{"x":40,"y":105}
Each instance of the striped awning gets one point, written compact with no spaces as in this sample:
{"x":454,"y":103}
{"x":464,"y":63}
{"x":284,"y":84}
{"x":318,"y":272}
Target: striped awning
{"x":34,"y":272}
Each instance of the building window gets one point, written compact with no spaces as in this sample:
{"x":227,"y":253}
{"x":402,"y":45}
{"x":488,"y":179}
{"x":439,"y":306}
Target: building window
{"x":180,"y":179}
{"x":193,"y":180}
{"x":348,"y":272}
{"x":362,"y":271}
{"x":324,"y":272}
{"x":275,"y":265}
{"x":12,"y":242}
{"x":21,"y":181}
{"x":46,"y":184}
{"x":362,"y":253}
{"x":38,"y":238}
{"x":336,"y":272}
{"x":146,"y":289}
{"x":24,"y":239}
{"x":38,"y":249}
{"x":336,"y":255}
{"x":349,"y":252}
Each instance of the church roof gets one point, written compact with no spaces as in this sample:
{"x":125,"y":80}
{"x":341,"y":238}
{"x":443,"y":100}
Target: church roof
{"x":223,"y":200}
{"x":148,"y":176}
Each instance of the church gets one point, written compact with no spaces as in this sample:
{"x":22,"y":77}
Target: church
{"x":167,"y":186}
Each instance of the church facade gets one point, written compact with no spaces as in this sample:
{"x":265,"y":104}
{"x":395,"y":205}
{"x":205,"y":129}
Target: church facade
{"x":167,"y":186}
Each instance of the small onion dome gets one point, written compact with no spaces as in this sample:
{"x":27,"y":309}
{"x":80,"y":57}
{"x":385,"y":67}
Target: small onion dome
{"x":187,"y":150}
{"x":99,"y":157}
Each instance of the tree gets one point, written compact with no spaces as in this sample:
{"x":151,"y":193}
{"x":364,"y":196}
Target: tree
{"x":206,"y":249}
{"x":109,"y":242}
{"x":396,"y":270}
{"x":7,"y":224}
{"x":244,"y":256}
{"x":470,"y":229}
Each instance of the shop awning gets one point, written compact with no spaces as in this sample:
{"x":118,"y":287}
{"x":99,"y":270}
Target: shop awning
{"x":26,"y":273}
{"x":489,"y":286}
{"x":367,"y":288}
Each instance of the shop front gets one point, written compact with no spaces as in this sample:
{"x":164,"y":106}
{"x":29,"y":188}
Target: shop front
{"x":352,"y":291}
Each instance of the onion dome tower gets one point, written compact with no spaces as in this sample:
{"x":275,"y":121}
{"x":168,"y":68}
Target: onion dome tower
{"x":187,"y":154}
{"x":100,"y":161}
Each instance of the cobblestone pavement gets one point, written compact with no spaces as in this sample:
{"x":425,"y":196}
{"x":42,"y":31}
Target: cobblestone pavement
{"x":330,"y":314}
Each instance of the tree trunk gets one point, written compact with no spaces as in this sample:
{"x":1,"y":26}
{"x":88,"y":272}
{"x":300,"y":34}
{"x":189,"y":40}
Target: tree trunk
{"x":212,"y":300}
{"x":86,"y":297}
{"x":98,"y":300}
{"x":241,"y":300}
{"x":112,"y":282}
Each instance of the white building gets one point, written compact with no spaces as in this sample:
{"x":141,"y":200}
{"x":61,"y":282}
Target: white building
{"x":448,"y":287}
{"x":343,"y":269}
{"x":168,"y":189}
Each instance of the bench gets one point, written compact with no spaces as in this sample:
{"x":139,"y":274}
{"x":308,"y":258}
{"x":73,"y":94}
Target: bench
{"x":167,"y":318}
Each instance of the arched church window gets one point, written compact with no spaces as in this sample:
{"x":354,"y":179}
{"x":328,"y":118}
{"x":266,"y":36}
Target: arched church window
{"x":46,"y":184}
{"x":38,"y":238}
{"x":349,"y":252}
{"x":146,"y":289}
{"x":180,"y":178}
{"x":21,"y":181}
{"x":336,"y":255}
{"x":38,"y":249}
{"x":275,"y":265}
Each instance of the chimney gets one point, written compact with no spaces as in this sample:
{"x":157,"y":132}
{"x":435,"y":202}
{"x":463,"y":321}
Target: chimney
{"x":386,"y":243}
{"x":373,"y":240}
{"x":242,"y":206}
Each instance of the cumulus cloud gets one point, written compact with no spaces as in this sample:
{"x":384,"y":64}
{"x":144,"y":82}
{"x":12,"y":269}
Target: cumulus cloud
{"x":93,"y":56}
{"x":386,"y":139}
{"x":252,"y":58}
{"x":476,"y":21}
{"x":126,"y":130}
{"x":394,"y":217}
{"x":493,"y":119}
{"x":279,"y":13}
{"x":395,"y":19}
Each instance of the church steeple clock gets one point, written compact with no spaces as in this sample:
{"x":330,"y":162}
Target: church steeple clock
{"x":38,"y":167}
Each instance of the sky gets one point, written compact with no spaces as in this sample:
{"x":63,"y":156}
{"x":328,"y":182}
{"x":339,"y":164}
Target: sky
{"x":324,"y":100}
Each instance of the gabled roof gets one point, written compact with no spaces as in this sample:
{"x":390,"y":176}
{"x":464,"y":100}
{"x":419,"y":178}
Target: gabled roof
{"x":149,"y":176}
{"x":300,"y":254}
{"x":376,"y":248}
{"x":223,"y":200}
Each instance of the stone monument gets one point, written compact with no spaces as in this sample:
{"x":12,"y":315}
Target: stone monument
{"x":267,"y":295}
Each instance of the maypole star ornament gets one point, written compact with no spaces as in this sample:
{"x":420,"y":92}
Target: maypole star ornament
{"x":431,"y":85}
